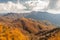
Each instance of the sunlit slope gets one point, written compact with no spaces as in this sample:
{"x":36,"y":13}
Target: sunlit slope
{"x":10,"y":33}
{"x":56,"y":36}
{"x":27,"y":29}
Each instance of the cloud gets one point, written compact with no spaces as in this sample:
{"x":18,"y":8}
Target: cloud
{"x":54,"y":11}
{"x":51,"y":6}
{"x":11,"y":7}
{"x":37,"y":5}
{"x":58,"y":4}
{"x":54,"y":6}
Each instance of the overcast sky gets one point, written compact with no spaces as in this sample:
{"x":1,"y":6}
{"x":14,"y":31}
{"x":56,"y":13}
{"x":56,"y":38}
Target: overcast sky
{"x":51,"y":6}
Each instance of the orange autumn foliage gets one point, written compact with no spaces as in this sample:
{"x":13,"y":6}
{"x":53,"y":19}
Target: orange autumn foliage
{"x":8,"y":33}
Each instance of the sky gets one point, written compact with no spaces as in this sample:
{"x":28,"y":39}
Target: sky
{"x":22,"y":6}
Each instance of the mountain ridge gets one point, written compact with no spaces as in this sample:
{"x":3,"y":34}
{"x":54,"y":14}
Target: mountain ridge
{"x":53,"y":18}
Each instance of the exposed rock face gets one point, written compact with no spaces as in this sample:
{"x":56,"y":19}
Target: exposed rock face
{"x":27,"y":29}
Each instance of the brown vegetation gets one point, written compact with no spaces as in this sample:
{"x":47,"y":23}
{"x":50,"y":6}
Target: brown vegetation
{"x":27,"y":29}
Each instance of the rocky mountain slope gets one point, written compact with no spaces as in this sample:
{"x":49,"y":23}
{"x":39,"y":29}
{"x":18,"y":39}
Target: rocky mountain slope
{"x":27,"y":29}
{"x":53,"y":18}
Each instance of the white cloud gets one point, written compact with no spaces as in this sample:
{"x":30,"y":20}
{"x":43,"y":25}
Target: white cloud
{"x":54,"y":11}
{"x":54,"y":7}
{"x":44,"y":5}
{"x":37,"y":5}
{"x":58,"y":4}
{"x":11,"y":7}
{"x":32,"y":5}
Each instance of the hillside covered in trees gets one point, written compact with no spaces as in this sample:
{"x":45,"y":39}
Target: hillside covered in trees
{"x":27,"y":29}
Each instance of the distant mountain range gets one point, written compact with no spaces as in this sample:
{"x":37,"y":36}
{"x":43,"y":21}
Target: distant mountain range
{"x":53,"y":18}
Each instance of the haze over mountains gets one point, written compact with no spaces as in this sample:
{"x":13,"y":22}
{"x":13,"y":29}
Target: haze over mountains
{"x":53,"y":18}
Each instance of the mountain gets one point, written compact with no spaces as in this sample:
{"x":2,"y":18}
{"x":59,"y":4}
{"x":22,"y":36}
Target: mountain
{"x":28,"y":29}
{"x":53,"y":18}
{"x":14,"y":15}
